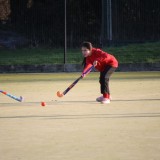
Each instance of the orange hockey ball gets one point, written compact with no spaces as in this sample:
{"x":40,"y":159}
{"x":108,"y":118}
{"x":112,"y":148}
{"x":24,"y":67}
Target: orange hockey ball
{"x":43,"y":104}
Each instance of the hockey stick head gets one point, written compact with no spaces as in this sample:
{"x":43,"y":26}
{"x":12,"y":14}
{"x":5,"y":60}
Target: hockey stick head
{"x":21,"y":99}
{"x":59,"y":94}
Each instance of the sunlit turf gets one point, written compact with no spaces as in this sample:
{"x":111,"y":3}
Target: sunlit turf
{"x":6,"y":78}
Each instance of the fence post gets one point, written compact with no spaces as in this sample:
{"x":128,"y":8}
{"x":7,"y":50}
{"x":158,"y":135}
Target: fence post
{"x":65,"y":33}
{"x":106,"y":28}
{"x":109,"y":20}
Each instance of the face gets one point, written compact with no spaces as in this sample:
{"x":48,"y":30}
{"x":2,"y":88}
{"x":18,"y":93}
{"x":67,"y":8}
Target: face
{"x":86,"y":52}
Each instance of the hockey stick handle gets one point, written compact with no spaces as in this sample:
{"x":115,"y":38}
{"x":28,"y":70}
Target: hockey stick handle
{"x":59,"y":94}
{"x":72,"y":85}
{"x":77,"y":80}
{"x":88,"y":70}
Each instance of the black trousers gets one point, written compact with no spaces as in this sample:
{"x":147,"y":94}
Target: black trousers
{"x":104,"y":79}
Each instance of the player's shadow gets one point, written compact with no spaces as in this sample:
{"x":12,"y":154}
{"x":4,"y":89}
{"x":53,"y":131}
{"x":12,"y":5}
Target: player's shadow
{"x":63,"y":102}
{"x":119,"y":100}
{"x":86,"y":116}
{"x":114,"y":100}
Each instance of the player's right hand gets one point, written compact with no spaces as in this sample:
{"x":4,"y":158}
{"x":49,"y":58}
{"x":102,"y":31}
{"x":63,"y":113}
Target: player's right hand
{"x":83,"y":75}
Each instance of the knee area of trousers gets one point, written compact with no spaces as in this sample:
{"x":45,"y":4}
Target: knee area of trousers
{"x":101,"y":80}
{"x":106,"y":79}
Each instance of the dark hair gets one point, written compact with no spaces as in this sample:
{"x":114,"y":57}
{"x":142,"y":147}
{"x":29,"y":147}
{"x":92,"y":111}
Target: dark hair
{"x":89,"y":46}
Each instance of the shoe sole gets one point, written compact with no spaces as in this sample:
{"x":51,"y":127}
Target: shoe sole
{"x":107,"y":102}
{"x":101,"y":101}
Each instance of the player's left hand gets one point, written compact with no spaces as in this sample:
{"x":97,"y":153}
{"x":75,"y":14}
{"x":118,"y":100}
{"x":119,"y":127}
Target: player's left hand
{"x":95,"y":63}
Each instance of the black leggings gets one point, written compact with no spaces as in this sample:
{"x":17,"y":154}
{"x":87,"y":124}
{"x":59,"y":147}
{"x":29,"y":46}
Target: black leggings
{"x":104,"y":79}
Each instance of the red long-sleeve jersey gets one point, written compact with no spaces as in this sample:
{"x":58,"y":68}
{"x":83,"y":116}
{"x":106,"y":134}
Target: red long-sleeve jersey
{"x":103,"y":58}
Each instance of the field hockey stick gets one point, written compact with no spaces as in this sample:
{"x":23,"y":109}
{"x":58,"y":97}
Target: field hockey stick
{"x":59,"y":94}
{"x":19,"y":99}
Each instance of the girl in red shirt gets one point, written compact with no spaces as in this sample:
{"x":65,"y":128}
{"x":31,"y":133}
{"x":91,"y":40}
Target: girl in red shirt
{"x":105,"y":63}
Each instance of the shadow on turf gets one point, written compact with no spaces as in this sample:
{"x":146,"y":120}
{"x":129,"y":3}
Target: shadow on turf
{"x":128,"y":100}
{"x":89,"y":116}
{"x":63,"y":102}
{"x":116,"y":100}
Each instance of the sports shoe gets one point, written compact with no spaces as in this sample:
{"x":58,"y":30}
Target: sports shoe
{"x":105,"y":101}
{"x":100,"y":99}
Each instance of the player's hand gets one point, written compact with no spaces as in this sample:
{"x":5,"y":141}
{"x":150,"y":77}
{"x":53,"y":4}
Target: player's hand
{"x":83,"y":75}
{"x":95,"y":63}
